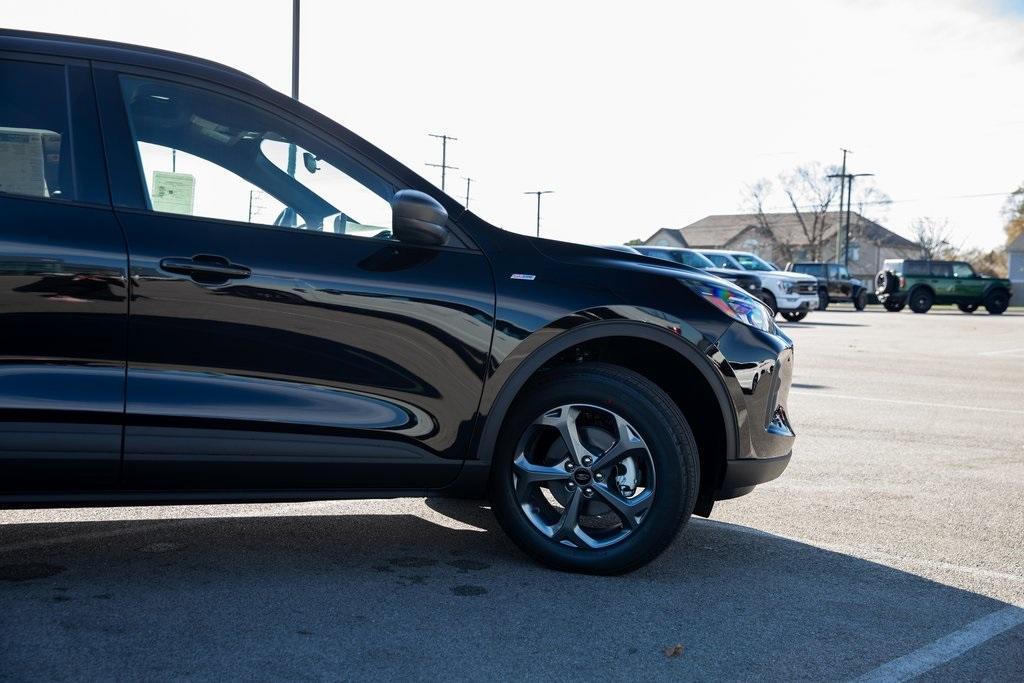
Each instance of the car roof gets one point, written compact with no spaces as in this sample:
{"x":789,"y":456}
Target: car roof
{"x":111,"y":51}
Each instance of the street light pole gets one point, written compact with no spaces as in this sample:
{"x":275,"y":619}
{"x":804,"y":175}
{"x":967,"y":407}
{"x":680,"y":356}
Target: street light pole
{"x":539,"y":193}
{"x":468,"y":181}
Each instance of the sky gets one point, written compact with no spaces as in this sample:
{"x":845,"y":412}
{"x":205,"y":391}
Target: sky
{"x":638,"y":115}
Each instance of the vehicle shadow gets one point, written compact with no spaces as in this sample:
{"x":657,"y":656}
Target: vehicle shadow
{"x":430,"y":596}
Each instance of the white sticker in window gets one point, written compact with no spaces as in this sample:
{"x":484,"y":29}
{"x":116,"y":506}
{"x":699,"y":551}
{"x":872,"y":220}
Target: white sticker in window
{"x":21,"y":162}
{"x":173,"y":192}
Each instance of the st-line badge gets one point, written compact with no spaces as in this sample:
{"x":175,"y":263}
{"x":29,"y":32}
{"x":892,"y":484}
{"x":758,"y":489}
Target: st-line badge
{"x":523,"y":276}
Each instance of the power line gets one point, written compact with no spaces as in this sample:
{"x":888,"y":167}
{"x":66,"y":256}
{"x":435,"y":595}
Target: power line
{"x":444,"y":155}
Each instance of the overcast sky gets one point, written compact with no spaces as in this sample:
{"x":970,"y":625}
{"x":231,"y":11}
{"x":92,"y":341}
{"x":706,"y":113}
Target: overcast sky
{"x":638,"y":115}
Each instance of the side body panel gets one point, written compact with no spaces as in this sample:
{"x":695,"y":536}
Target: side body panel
{"x":63,"y":311}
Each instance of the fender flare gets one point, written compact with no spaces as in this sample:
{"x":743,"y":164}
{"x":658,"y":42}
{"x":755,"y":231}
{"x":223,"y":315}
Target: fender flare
{"x":993,"y":287}
{"x":495,"y":416}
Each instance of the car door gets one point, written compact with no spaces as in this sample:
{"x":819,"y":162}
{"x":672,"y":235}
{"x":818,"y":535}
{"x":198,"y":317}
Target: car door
{"x":279,"y":336}
{"x":841,"y":284}
{"x":967,"y":286}
{"x":942,"y":282}
{"x":63,"y":273}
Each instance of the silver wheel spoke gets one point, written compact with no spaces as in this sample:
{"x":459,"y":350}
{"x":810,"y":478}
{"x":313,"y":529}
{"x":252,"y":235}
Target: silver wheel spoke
{"x":564,"y":420}
{"x":629,"y":509}
{"x":626,"y":441}
{"x":528,"y":474}
{"x":575,"y":495}
{"x":567,"y":528}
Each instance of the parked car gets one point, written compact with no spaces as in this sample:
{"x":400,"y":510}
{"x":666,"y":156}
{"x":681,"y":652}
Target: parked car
{"x":922,"y":284}
{"x":791,"y":294}
{"x":212,"y":293}
{"x":834,"y":284}
{"x":694,"y":259}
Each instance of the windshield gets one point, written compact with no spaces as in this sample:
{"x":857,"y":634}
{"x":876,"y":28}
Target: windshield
{"x":751,"y":262}
{"x":692,"y":258}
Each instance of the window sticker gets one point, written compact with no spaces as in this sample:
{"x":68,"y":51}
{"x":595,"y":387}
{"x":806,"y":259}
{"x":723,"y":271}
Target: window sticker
{"x":173,"y":192}
{"x":21,"y":161}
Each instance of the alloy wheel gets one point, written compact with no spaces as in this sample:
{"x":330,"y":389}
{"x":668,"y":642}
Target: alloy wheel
{"x":583,"y":476}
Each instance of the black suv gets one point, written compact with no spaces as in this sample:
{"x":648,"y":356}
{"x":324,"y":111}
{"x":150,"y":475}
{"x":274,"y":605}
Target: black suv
{"x":834,"y":284}
{"x":210,"y":292}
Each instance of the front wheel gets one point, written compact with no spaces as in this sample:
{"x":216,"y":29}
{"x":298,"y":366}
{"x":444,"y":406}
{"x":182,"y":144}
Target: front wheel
{"x":822,"y":299}
{"x":860,"y":302}
{"x":794,"y":316}
{"x":967,"y":308}
{"x":595,"y":471}
{"x":769,"y":300}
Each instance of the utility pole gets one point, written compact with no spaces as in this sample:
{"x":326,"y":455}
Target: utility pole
{"x":842,"y":177}
{"x":468,"y":181}
{"x":539,"y":193}
{"x":295,"y":76}
{"x":174,"y":161}
{"x":849,"y":203}
{"x":444,"y":153}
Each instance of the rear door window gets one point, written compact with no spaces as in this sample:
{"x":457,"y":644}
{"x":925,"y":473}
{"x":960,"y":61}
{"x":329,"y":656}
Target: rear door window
{"x":35,"y":151}
{"x":915,"y":268}
{"x":941,"y":269}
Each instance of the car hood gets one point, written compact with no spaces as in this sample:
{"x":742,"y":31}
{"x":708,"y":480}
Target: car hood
{"x":600,"y":257}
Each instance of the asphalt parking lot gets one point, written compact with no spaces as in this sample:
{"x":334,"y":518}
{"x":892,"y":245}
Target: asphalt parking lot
{"x":894,"y":542}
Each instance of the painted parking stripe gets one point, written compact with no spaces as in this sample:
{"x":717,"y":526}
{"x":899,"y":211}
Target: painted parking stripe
{"x":947,"y":648}
{"x":953,"y":406}
{"x":1001,"y":352}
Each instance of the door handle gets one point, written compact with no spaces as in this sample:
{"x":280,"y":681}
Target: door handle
{"x":205,"y":266}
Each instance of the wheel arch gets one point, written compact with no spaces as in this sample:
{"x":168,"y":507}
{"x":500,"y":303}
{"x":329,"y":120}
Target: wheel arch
{"x":597,"y":333}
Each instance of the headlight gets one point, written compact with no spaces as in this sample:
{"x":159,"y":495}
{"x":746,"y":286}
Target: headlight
{"x":788,"y":287}
{"x":742,"y":307}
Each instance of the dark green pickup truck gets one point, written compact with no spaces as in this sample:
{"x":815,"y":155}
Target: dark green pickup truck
{"x":924,"y":283}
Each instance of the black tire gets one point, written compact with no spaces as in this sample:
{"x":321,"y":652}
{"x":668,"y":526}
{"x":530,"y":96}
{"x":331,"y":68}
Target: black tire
{"x":886,"y":282}
{"x":921,"y":300}
{"x":894,"y":306}
{"x":967,"y":308}
{"x":860,"y":302}
{"x":997,"y":301}
{"x":822,"y":299}
{"x":794,"y":316}
{"x":769,"y":300}
{"x":658,"y":422}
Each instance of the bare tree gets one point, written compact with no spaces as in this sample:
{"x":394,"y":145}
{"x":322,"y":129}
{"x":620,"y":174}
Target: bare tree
{"x":811,"y":193}
{"x":932,"y":237}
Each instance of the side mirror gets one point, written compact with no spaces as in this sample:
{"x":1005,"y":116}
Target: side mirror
{"x":418,"y":218}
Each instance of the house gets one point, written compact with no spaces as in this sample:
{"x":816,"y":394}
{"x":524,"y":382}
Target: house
{"x":780,"y":238}
{"x":667,"y":237}
{"x":1015,"y":250}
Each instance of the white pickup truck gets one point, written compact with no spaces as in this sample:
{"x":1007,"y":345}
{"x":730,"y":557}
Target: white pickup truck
{"x":793,"y":295}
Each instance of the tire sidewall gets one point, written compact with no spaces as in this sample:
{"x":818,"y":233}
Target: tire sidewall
{"x":676,"y":475}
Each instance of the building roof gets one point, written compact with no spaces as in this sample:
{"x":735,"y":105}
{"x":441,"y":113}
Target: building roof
{"x":719,"y":230}
{"x":674,"y":234}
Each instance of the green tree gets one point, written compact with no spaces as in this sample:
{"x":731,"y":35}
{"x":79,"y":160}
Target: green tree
{"x":634,"y":242}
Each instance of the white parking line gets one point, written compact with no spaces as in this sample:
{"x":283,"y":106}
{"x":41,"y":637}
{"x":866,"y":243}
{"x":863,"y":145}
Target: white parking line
{"x":925,"y":404}
{"x":947,"y":648}
{"x":1001,"y":352}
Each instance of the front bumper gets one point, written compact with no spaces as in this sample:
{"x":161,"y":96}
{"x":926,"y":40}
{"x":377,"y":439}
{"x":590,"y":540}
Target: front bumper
{"x":797,"y":302}
{"x":741,"y":476}
{"x":759,"y":370}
